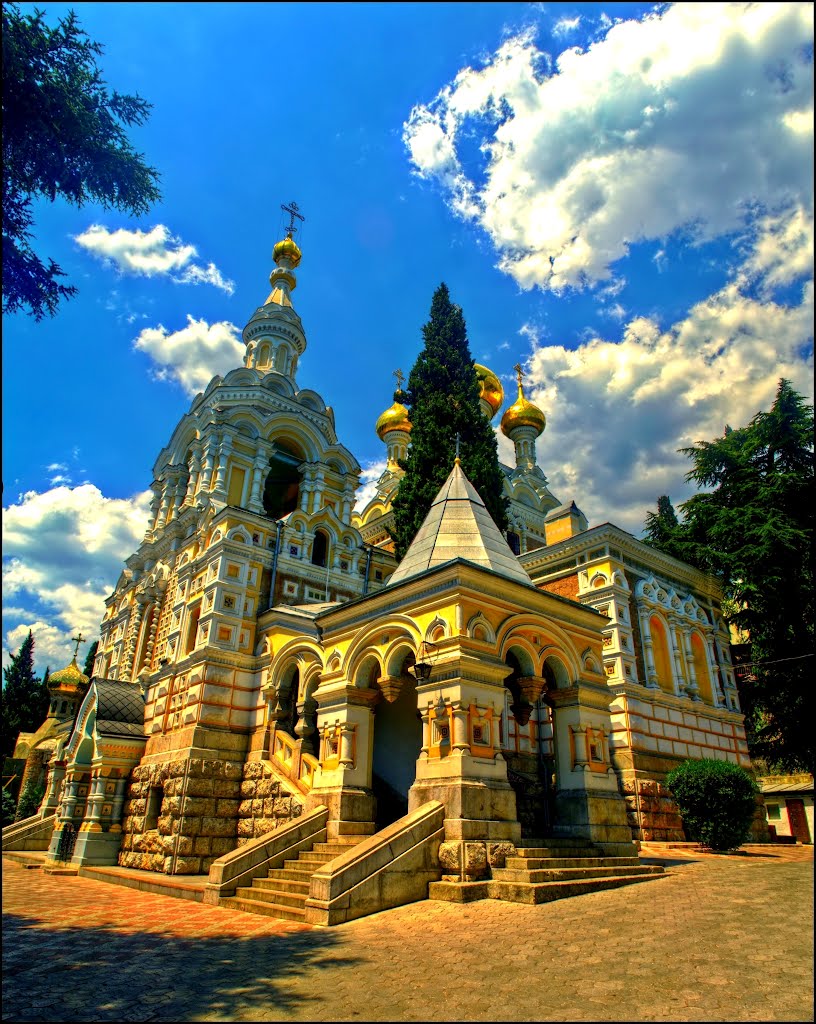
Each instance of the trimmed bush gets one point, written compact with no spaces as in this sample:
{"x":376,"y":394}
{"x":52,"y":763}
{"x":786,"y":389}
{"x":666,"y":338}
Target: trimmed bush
{"x":9,"y":808}
{"x":717,"y":801}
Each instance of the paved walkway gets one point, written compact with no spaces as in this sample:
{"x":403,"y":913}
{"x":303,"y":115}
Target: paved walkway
{"x":719,"y":939}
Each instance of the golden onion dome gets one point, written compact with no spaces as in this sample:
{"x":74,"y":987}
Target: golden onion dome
{"x":287,"y":249}
{"x":69,"y":678}
{"x":395,"y":418}
{"x":490,"y":388}
{"x":523,"y":414}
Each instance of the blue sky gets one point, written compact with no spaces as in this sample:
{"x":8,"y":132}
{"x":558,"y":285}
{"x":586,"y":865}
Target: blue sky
{"x":618,"y":195}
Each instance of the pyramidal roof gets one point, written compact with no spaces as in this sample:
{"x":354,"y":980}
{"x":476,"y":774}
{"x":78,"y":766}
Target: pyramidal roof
{"x":459,"y":526}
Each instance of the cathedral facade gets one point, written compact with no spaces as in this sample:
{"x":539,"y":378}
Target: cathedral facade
{"x":264,"y":662}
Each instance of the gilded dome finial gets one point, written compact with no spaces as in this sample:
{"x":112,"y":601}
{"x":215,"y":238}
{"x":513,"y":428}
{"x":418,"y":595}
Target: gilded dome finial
{"x":395,"y":417}
{"x":522,"y":413}
{"x":491,"y":392}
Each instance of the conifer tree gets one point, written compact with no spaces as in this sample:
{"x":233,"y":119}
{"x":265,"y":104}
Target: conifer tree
{"x":443,"y":401}
{"x":753,"y":529}
{"x":90,"y":658}
{"x":25,"y":697}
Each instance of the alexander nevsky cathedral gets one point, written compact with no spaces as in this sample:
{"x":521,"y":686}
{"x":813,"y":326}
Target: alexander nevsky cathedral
{"x":279,"y":705}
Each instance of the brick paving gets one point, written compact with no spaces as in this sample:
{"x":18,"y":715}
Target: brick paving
{"x":719,"y":939}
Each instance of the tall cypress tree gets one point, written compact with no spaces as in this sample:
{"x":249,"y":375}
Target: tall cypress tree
{"x":25,"y":697}
{"x":90,"y":658}
{"x":443,"y":401}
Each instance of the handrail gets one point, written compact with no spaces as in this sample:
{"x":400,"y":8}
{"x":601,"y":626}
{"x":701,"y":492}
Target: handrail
{"x":258,"y":856}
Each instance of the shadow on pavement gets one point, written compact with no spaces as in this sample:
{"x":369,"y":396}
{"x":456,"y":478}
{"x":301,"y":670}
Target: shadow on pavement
{"x":100,"y":974}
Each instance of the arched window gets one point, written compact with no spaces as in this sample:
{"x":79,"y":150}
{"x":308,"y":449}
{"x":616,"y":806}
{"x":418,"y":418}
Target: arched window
{"x":282,"y":486}
{"x":660,"y":651}
{"x":698,"y":656}
{"x":320,"y":548}
{"x":192,"y":628}
{"x":514,"y":541}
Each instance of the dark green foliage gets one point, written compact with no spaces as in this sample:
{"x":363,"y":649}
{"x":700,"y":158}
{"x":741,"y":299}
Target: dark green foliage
{"x":9,"y":808}
{"x":754,"y":530}
{"x":25,"y":697}
{"x":30,"y":800}
{"x":90,"y":658}
{"x":443,"y":400}
{"x":717,"y":801}
{"x":63,"y":135}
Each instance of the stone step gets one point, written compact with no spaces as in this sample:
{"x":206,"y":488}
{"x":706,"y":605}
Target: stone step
{"x":546,"y":892}
{"x":558,"y":851}
{"x":293,"y":874}
{"x":283,"y":899}
{"x":561,"y":842}
{"x":282,"y":885}
{"x":252,"y":906}
{"x":536,"y":863}
{"x":309,"y":862}
{"x":335,"y":847}
{"x":571,"y":874}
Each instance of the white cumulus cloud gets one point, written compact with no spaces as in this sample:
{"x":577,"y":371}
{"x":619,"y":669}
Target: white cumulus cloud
{"x":151,"y":253}
{"x":696,"y":118}
{"x":618,"y":411}
{"x":63,"y":550}
{"x":193,"y":355}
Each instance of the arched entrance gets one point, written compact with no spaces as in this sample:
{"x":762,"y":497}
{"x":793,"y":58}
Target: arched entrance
{"x":397,"y":743}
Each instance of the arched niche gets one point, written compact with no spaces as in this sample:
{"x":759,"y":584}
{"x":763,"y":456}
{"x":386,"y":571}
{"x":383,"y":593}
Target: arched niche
{"x":282,"y":484}
{"x":320,"y":548}
{"x":661,"y":653}
{"x":702,"y":672}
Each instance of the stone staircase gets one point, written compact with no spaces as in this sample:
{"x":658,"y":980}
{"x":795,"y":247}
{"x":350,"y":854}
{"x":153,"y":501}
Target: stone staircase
{"x":562,"y":867}
{"x":284,"y":891}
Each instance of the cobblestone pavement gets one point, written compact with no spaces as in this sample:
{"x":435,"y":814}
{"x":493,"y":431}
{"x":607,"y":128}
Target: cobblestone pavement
{"x":719,"y":939}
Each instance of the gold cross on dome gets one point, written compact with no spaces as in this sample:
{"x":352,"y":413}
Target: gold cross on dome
{"x":80,"y":639}
{"x":292,"y":209}
{"x":400,"y":377}
{"x":519,"y":372}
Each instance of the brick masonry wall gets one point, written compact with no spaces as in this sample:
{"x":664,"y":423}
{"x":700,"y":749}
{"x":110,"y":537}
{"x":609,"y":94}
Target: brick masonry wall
{"x":198,"y":819}
{"x":265,"y":802}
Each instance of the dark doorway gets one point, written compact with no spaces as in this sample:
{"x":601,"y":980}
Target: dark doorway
{"x":397,"y":742}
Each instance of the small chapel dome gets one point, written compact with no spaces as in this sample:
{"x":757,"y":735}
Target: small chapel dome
{"x":394,"y":418}
{"x":523,"y":414}
{"x":287,"y":249}
{"x":490,"y":389}
{"x":68,"y":679}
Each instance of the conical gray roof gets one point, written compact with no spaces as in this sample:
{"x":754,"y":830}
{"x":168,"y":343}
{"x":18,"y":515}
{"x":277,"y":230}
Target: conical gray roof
{"x":459,"y":526}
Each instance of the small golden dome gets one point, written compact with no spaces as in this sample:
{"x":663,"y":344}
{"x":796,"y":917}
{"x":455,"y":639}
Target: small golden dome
{"x":395,"y":418}
{"x":523,"y":414}
{"x":490,"y":388}
{"x":69,"y":678}
{"x":287,"y":249}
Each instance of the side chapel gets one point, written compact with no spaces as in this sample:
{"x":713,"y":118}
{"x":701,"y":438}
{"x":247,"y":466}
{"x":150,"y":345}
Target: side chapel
{"x":264,"y":661}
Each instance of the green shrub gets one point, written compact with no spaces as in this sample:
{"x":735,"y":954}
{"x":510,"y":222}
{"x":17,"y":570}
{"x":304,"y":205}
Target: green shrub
{"x":30,"y":800}
{"x":9,"y":808}
{"x":716,"y":800}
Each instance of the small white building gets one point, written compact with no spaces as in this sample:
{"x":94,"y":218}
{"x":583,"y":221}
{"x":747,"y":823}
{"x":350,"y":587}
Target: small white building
{"x":789,"y":805}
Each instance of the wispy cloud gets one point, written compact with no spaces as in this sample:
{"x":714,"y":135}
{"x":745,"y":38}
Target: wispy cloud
{"x":151,"y":253}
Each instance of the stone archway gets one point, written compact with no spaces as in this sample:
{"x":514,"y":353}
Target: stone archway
{"x":397,"y":741}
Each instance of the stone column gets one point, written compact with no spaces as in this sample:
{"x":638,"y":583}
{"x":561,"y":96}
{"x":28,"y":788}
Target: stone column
{"x":126,"y":664}
{"x":192,"y":478}
{"x":205,"y":478}
{"x":716,"y":676}
{"x":460,"y":742}
{"x":155,"y":507}
{"x":347,"y":730}
{"x":692,"y":688}
{"x":220,"y":487}
{"x":96,"y":798}
{"x":255,"y":503}
{"x":53,"y":792}
{"x":680,"y":678}
{"x":579,"y":739}
{"x":118,"y":804}
{"x":648,"y":651}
